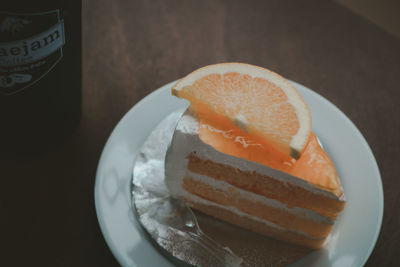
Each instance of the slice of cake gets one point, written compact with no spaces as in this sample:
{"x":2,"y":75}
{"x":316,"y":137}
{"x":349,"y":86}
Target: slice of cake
{"x":243,"y":176}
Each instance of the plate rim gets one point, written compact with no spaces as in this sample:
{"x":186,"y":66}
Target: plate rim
{"x":119,"y":257}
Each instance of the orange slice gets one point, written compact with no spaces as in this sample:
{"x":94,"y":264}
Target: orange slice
{"x":259,"y":102}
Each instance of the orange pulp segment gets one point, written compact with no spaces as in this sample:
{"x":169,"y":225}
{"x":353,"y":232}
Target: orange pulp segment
{"x":257,"y":101}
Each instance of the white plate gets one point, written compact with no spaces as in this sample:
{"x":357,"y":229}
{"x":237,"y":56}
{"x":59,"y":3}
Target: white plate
{"x":355,"y":232}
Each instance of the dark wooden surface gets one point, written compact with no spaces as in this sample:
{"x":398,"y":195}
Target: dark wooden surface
{"x":131,"y":48}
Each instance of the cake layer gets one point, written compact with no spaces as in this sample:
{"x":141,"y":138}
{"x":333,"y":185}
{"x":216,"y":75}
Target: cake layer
{"x":246,"y":193}
{"x":186,"y":141}
{"x":293,"y":219}
{"x":255,"y":225}
{"x":264,"y":185}
{"x":314,"y":165}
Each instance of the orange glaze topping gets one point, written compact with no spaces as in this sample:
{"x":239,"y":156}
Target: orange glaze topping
{"x":314,"y":165}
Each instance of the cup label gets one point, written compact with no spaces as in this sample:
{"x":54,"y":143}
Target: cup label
{"x":30,"y":46}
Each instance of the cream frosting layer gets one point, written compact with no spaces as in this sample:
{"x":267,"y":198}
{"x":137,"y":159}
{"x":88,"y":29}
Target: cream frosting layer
{"x":196,"y":199}
{"x":224,"y":186}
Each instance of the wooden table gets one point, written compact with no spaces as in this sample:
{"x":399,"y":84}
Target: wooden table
{"x":131,"y":48}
